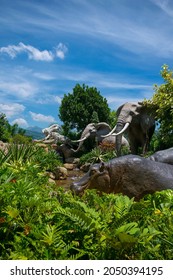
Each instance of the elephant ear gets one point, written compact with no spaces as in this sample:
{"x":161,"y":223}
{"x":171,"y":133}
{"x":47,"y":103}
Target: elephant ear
{"x":135,"y":109}
{"x":102,"y":126}
{"x":119,"y":109}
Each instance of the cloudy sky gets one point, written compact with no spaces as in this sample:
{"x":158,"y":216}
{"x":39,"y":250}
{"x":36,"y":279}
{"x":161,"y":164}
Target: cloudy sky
{"x":48,"y":46}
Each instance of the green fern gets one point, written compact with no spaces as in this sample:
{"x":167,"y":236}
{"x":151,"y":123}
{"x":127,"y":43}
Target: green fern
{"x":78,"y":217}
{"x":122,"y":206}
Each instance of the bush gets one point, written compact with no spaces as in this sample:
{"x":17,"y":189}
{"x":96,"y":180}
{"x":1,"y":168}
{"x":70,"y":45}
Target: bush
{"x":40,"y":221}
{"x":20,"y":139}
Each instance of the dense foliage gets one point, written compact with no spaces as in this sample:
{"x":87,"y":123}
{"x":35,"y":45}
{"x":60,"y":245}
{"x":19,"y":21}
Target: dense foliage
{"x":83,"y":106}
{"x":162,"y":105}
{"x":38,"y":220}
{"x":11,"y":133}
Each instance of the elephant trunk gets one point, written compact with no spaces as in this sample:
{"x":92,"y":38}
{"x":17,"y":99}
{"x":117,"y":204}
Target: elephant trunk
{"x":79,"y":146}
{"x":83,"y":137}
{"x":119,"y":128}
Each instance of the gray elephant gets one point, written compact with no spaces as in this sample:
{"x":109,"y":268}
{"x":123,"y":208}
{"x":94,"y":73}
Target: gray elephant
{"x":135,"y":119}
{"x":96,"y":131}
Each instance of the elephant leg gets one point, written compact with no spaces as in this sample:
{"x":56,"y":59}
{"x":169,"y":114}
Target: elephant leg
{"x":145,"y":145}
{"x":134,"y":145}
{"x":134,"y":149}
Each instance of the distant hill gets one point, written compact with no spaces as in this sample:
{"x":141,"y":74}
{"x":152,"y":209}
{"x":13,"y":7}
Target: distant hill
{"x":35,"y":132}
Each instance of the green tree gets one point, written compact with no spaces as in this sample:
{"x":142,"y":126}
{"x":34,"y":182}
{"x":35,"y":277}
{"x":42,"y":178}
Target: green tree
{"x":4,"y":128}
{"x":113,"y":118}
{"x":94,"y":117}
{"x":8,"y":131}
{"x":77,"y":108}
{"x":162,"y":105}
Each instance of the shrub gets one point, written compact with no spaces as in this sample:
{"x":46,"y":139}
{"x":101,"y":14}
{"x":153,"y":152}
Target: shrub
{"x":41,"y":221}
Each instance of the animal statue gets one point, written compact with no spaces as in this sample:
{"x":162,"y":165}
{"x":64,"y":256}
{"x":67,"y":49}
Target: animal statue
{"x":96,"y":131}
{"x":165,"y":156}
{"x":55,"y":137}
{"x":47,"y":131}
{"x":135,"y":119}
{"x":65,"y":151}
{"x":52,"y":135}
{"x":52,"y":128}
{"x":130,"y":175}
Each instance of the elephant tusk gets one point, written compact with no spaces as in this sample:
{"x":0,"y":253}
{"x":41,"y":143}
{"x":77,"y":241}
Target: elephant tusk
{"x":124,"y":128}
{"x":110,"y":133}
{"x":80,"y":140}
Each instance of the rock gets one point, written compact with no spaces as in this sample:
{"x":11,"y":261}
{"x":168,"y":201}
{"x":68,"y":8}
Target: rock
{"x":51,"y":175}
{"x":69,"y":166}
{"x":60,"y":173}
{"x":72,"y":160}
{"x":44,"y":146}
{"x":52,"y":181}
{"x":4,"y":146}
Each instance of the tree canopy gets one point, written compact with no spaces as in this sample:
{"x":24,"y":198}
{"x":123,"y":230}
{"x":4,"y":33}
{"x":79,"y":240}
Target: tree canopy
{"x":162,"y":105}
{"x":77,"y":108}
{"x":4,"y":128}
{"x":8,"y":131}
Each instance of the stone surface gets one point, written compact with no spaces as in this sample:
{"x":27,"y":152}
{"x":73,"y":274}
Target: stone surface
{"x":60,"y":173}
{"x":69,"y":166}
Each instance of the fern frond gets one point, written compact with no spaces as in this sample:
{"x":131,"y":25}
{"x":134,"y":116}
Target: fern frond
{"x":122,"y":206}
{"x":88,"y":210}
{"x":77,"y":216}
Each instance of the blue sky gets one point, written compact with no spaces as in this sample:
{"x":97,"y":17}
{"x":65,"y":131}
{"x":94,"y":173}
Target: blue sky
{"x":48,"y":46}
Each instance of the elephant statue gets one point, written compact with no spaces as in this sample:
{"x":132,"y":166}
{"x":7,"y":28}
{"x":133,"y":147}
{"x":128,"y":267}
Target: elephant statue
{"x":55,"y":137}
{"x":52,"y":135}
{"x":66,"y":152}
{"x":52,"y":128}
{"x":139,"y":124}
{"x":47,"y":131}
{"x":96,"y":131}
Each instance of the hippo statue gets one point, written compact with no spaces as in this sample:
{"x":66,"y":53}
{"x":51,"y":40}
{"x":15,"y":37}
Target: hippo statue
{"x":165,"y":156}
{"x":130,"y":175}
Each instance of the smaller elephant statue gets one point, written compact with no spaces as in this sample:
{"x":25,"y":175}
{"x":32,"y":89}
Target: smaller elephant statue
{"x":97,"y":131}
{"x":52,"y":135}
{"x":52,"y":128}
{"x":55,"y":137}
{"x":136,"y":120}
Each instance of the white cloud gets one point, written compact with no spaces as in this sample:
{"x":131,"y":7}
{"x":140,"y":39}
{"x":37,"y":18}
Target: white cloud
{"x":33,"y":53}
{"x":119,"y":85}
{"x":41,"y":118}
{"x":49,"y":99}
{"x":61,"y":50}
{"x":44,"y":76}
{"x":21,"y":122}
{"x":57,"y":99}
{"x":22,"y":89}
{"x":12,"y":109}
{"x":164,"y":5}
{"x":117,"y":101}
